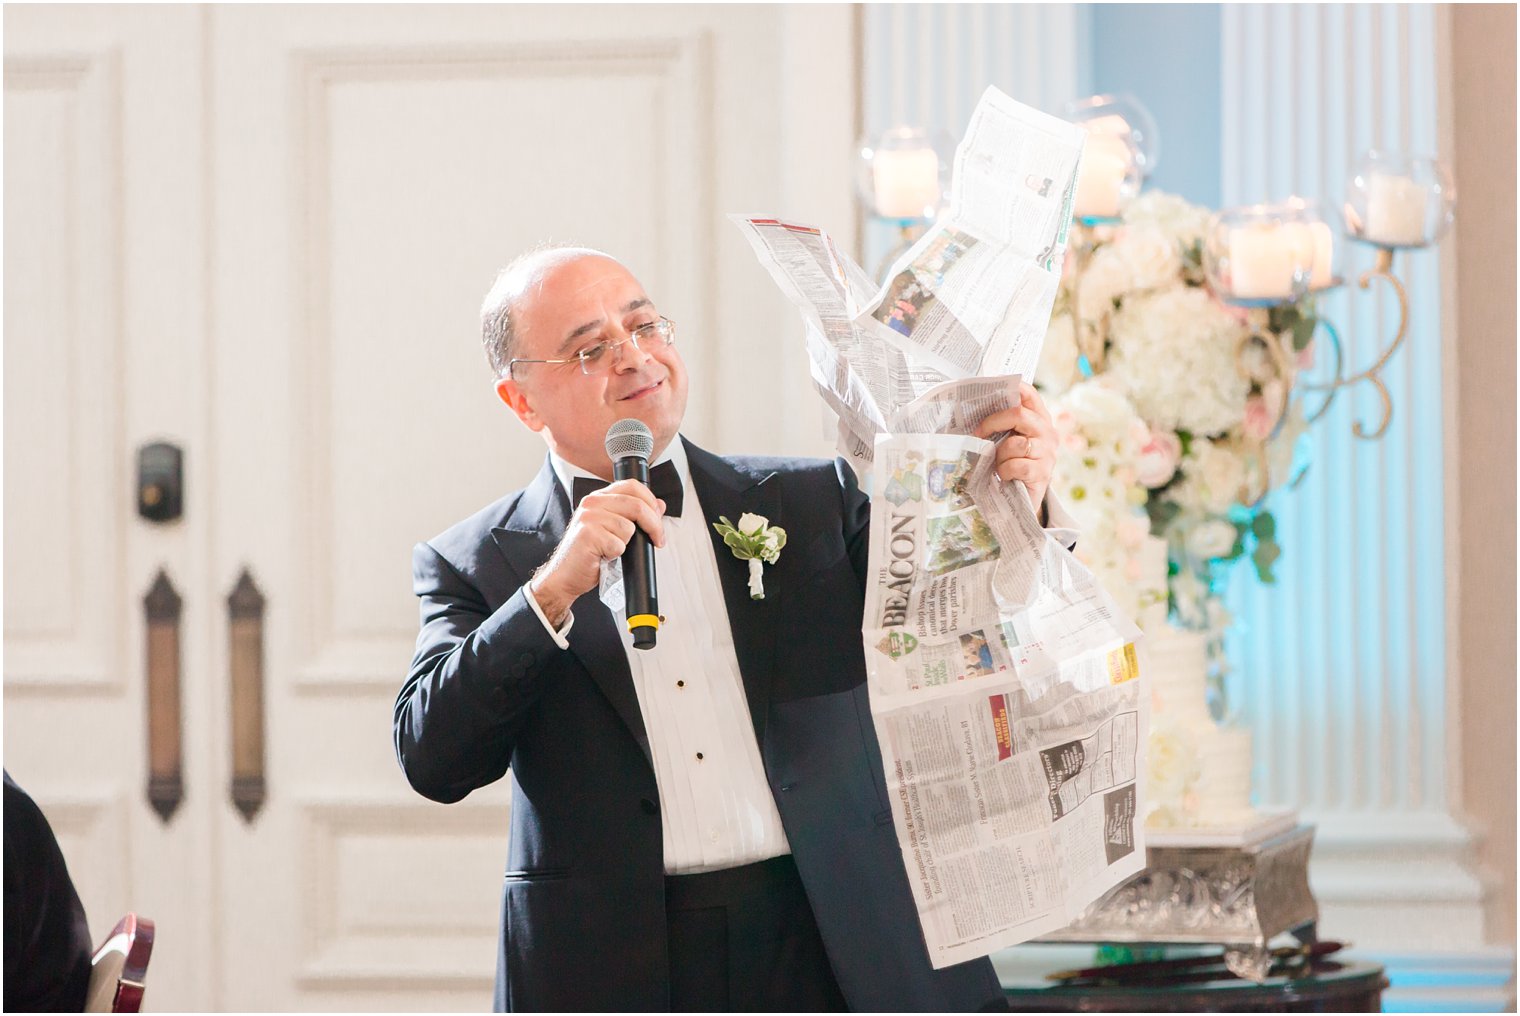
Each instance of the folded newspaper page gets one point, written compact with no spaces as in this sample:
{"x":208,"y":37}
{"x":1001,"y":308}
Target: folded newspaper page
{"x":1002,"y":678}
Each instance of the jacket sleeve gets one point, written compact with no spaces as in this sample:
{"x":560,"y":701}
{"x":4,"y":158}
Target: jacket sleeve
{"x":857,"y":519}
{"x":474,"y":680}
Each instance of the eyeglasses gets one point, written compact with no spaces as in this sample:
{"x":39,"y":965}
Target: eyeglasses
{"x":600,"y":358}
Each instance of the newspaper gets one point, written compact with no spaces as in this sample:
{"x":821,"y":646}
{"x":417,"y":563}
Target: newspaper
{"x":1002,"y":685}
{"x":1002,"y":678}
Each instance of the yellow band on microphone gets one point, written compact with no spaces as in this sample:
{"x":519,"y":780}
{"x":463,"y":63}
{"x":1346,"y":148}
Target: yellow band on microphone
{"x":643,"y":621}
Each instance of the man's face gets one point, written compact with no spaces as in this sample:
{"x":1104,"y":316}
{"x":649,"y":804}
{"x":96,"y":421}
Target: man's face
{"x":575,"y":305}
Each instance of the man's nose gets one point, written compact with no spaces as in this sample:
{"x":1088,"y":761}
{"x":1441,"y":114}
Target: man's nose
{"x":629,"y":356}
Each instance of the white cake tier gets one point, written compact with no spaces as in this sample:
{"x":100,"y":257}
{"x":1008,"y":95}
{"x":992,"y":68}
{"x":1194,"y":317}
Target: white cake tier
{"x":1203,"y":772}
{"x":1178,"y":662}
{"x":1224,"y":780}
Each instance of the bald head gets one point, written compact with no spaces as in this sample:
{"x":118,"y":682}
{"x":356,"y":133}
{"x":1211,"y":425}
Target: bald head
{"x":524,"y":275}
{"x":549,"y":307}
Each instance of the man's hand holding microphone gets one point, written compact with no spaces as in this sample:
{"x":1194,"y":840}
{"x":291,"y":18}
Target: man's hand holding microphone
{"x":617,"y":521}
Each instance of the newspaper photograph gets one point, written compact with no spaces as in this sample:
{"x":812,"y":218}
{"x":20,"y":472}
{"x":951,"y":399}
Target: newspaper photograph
{"x":1004,"y":682}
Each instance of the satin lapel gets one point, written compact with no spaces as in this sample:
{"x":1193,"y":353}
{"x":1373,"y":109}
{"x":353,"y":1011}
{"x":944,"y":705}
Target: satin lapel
{"x":724,"y":490}
{"x":526,"y":540}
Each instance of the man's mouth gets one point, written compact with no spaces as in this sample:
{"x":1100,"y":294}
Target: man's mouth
{"x":639,"y":393}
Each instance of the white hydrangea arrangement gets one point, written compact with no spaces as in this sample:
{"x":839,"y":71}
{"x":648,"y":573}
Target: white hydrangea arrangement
{"x":1202,"y":390}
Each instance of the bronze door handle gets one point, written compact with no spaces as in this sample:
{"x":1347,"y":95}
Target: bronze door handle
{"x":245,"y":615}
{"x":166,"y":786}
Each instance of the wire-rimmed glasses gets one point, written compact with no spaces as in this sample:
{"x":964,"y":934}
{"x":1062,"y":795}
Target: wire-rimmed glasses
{"x":599,"y":358}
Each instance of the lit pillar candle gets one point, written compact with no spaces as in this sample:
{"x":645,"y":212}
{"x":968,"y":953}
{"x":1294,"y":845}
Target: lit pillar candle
{"x":1265,"y":258}
{"x":1323,"y":245}
{"x":905,"y":182}
{"x":1396,"y":210}
{"x":1105,"y":164}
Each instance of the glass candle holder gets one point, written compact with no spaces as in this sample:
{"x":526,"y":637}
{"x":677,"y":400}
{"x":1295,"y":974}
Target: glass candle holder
{"x":1121,"y":114}
{"x":1394,"y":200}
{"x":1322,"y":273}
{"x":1122,"y":147}
{"x":1260,"y":255}
{"x":903,"y":175}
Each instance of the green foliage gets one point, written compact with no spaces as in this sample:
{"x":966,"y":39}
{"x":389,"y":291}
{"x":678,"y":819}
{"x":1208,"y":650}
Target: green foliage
{"x":1264,"y":526}
{"x":1263,"y":557}
{"x":1297,"y":319}
{"x":1162,"y":513}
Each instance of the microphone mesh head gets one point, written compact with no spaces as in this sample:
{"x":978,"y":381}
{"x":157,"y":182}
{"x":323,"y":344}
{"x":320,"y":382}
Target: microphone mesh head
{"x":629,"y":437}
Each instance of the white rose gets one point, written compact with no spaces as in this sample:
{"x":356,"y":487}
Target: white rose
{"x":1212,"y":478}
{"x":1151,"y":255}
{"x":1100,"y":407}
{"x":1106,"y":277}
{"x":749,"y":522}
{"x":1210,"y":539}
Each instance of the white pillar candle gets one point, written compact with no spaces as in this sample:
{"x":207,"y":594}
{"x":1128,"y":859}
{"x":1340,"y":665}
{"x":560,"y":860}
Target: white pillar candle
{"x":1108,"y":123}
{"x":1395,"y":210}
{"x":1105,"y":164}
{"x":905,"y":182}
{"x":1264,"y":259}
{"x":1324,"y":251}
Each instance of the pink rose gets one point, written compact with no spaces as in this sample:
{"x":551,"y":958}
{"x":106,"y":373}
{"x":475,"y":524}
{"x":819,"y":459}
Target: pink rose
{"x":1158,"y":458}
{"x":1263,"y":411}
{"x":1258,"y":418}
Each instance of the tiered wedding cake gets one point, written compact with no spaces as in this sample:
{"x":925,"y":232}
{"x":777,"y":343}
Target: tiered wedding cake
{"x":1200,"y":772}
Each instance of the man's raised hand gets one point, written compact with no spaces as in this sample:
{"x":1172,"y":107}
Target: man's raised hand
{"x":1028,"y":453}
{"x":599,"y":530}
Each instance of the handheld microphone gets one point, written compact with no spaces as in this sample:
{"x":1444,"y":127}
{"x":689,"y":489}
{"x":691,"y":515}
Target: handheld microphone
{"x":629,"y":445}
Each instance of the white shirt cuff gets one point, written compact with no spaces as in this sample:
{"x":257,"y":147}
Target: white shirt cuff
{"x":1060,"y":525}
{"x":559,"y":636}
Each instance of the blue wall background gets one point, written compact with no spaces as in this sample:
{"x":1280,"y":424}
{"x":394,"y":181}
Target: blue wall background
{"x":1168,"y":57}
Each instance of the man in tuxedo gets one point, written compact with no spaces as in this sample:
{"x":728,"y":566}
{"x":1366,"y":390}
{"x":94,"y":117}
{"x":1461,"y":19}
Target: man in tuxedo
{"x":704,"y":825}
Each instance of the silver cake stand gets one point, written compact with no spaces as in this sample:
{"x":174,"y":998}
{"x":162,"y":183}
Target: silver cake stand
{"x":1239,"y":889}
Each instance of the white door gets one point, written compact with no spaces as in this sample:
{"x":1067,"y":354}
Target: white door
{"x":104,"y":351}
{"x":331,"y":191}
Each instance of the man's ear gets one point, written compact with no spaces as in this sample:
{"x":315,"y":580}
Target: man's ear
{"x":516,"y":399}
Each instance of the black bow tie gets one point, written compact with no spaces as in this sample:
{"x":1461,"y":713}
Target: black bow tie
{"x":663,"y":480}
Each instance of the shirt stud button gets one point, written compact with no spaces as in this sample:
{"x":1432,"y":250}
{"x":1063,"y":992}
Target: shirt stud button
{"x":680,"y":684}
{"x":699,"y":756}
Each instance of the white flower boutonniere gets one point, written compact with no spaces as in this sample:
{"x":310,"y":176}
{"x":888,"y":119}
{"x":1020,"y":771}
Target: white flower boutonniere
{"x":754,"y":540}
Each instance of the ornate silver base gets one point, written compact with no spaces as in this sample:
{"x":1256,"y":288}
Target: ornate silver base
{"x":1240,"y":897}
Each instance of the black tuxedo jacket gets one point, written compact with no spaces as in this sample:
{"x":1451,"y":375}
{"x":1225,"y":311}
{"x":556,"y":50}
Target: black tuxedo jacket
{"x":583,"y":909}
